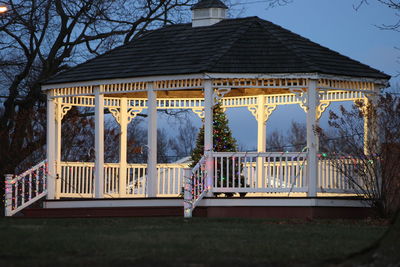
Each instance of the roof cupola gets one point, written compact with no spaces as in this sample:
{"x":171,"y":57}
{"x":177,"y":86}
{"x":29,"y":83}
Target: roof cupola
{"x":208,"y":12}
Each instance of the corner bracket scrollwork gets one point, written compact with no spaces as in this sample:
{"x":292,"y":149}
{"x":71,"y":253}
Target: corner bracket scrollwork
{"x":321,"y":108}
{"x":220,"y":93}
{"x":133,"y":112}
{"x":253,"y":109}
{"x":267,"y":111}
{"x":322,"y":103}
{"x":301,"y":95}
{"x":199,"y":112}
{"x":116,"y":114}
{"x":62,"y":110}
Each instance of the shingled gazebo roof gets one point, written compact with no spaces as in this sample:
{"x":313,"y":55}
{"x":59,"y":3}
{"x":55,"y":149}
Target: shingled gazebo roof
{"x":245,"y":45}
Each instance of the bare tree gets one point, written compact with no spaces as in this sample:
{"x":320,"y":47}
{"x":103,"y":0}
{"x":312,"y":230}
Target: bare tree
{"x":137,"y":142}
{"x":276,"y":141}
{"x":162,"y":146}
{"x":183,"y":143}
{"x":40,"y":38}
{"x":371,"y":164}
{"x":297,"y":136}
{"x":274,"y":3}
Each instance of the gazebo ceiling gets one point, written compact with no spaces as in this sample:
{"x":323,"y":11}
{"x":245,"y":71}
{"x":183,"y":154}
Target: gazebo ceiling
{"x":243,"y":46}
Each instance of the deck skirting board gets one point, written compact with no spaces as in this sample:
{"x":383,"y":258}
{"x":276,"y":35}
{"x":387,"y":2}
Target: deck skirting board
{"x":208,"y":202}
{"x":110,"y":203}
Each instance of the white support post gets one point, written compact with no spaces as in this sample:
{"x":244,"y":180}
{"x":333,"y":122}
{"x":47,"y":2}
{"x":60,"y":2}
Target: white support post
{"x":8,"y":195}
{"x":152,"y":178}
{"x":208,"y":134}
{"x":372,"y":144}
{"x":59,"y":117}
{"x":99,"y":144}
{"x":123,"y":142}
{"x":261,"y":138}
{"x":312,"y":138}
{"x":367,"y":128}
{"x":51,"y":147}
{"x":261,"y":125}
{"x":188,"y":197}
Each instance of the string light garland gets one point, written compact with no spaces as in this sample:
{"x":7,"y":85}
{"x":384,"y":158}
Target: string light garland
{"x":26,"y":186}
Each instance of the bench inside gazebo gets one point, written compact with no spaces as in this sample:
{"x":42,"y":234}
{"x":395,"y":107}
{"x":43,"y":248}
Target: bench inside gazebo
{"x":245,"y":62}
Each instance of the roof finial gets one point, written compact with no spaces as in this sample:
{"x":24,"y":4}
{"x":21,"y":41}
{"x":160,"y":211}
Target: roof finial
{"x":208,"y":12}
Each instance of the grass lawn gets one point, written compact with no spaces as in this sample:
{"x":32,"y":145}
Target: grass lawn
{"x":175,"y":241}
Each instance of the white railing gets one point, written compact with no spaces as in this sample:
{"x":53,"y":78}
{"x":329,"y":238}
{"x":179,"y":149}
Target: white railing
{"x":234,"y":172}
{"x":334,"y":175}
{"x":252,"y":172}
{"x":195,"y":187}
{"x":77,"y":180}
{"x":170,"y":179}
{"x":136,"y":180}
{"x":26,"y":188}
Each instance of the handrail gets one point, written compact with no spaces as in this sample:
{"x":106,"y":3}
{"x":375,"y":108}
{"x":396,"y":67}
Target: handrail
{"x":116,"y":165}
{"x":26,"y":188}
{"x":259,"y":154}
{"x":195,"y":188}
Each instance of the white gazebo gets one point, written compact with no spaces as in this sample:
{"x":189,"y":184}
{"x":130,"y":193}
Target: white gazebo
{"x":245,"y":62}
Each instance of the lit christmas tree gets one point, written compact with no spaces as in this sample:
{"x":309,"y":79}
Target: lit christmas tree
{"x":222,"y":136}
{"x":222,"y":142}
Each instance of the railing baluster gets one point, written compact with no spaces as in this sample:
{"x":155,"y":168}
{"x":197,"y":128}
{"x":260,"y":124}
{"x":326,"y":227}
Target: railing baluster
{"x":30,"y":186}
{"x":275,"y":170}
{"x":86,"y":180}
{"x":222,"y":172}
{"x":37,"y":182}
{"x":91,"y":180}
{"x":263,"y":176}
{"x":23,"y":190}
{"x":291,"y":174}
{"x":234,"y":175}
{"x":239,"y":160}
{"x":80,"y":184}
{"x":165,"y":174}
{"x":285,"y":171}
{"x":75,"y":179}
{"x":215,"y":172}
{"x":229,"y":181}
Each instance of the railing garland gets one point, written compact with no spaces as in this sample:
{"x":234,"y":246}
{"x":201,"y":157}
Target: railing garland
{"x":194,"y":187}
{"x":24,"y":189}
